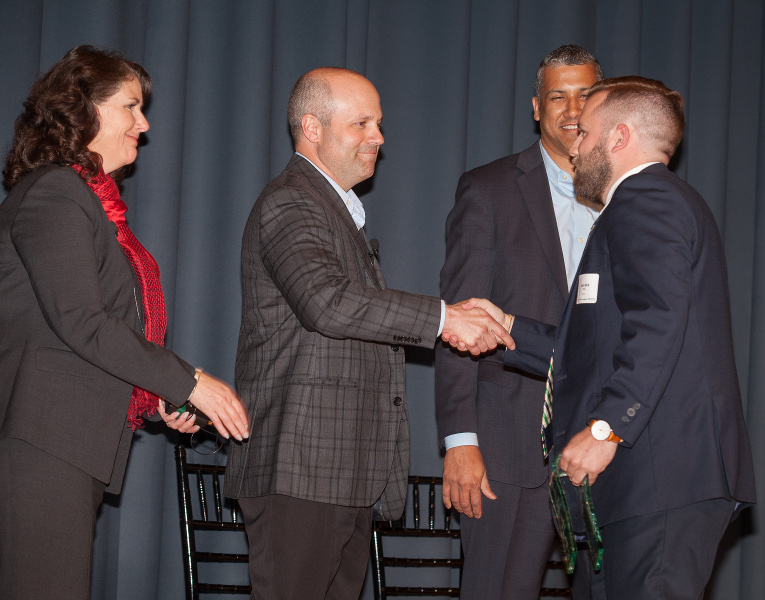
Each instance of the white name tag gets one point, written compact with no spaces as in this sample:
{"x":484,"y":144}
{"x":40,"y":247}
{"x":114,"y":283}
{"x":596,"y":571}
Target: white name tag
{"x":588,"y":288}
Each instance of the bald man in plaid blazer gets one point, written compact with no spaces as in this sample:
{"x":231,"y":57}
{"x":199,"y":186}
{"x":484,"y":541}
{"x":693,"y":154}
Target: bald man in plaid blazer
{"x":320,"y":364}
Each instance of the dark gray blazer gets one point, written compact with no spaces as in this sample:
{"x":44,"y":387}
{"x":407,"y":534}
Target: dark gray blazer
{"x":71,"y":347}
{"x":502,"y":243}
{"x":652,"y":355}
{"x":319,"y":364}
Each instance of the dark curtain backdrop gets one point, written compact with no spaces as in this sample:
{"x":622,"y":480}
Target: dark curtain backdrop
{"x":456,"y":80}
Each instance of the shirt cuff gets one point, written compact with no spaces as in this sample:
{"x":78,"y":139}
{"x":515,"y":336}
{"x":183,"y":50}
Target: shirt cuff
{"x":460,"y":439}
{"x":443,"y":318}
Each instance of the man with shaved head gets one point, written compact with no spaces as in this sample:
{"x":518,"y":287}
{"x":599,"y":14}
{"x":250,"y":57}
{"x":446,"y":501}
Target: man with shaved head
{"x":319,"y":363}
{"x":645,"y":397}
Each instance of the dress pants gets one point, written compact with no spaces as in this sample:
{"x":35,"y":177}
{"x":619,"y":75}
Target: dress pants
{"x":47,"y":521}
{"x":666,"y":555}
{"x":506,"y":550}
{"x":304,"y":550}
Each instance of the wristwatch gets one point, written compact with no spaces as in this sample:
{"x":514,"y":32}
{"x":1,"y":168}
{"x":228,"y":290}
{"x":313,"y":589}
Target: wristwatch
{"x":602,"y":431}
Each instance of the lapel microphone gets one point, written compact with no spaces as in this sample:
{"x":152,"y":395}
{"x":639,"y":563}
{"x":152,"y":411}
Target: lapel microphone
{"x":375,"y":245}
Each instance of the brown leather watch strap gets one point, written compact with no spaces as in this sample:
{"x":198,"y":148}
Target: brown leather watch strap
{"x":612,"y":437}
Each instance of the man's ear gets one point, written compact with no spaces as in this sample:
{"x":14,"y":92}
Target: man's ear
{"x":620,"y":137}
{"x":311,"y":127}
{"x":535,"y":104}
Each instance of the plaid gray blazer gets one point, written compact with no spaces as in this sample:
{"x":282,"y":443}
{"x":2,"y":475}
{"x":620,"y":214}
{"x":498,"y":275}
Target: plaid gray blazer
{"x":318,"y":362}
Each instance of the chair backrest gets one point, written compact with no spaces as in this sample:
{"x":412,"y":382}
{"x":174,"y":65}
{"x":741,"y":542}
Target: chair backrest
{"x":434,"y":523}
{"x":207,"y":510}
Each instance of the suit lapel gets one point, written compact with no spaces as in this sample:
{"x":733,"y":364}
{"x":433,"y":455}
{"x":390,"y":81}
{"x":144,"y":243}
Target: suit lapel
{"x":331,"y":197}
{"x":535,"y":190}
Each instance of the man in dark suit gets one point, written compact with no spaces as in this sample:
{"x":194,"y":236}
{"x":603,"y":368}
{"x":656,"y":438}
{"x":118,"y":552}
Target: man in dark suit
{"x":515,"y":236}
{"x":319,"y":363}
{"x":645,"y":398}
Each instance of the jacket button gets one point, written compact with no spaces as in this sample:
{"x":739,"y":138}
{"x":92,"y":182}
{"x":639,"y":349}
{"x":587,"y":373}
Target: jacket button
{"x":397,"y":401}
{"x":417,"y":340}
{"x":394,"y":348}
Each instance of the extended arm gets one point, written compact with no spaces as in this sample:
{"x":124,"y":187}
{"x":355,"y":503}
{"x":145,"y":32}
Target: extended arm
{"x":298,"y":251}
{"x":55,"y":232}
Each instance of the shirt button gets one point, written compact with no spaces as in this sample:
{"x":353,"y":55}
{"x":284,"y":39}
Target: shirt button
{"x":397,"y":401}
{"x":565,"y":177}
{"x":581,"y":240}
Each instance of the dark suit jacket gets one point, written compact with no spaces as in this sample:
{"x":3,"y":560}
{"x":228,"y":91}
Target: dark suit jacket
{"x":653,"y":355}
{"x":502,"y":243}
{"x":318,"y":364}
{"x":71,"y":346}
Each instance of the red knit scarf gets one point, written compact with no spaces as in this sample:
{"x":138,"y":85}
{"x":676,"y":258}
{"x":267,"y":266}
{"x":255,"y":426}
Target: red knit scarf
{"x":147,"y":271}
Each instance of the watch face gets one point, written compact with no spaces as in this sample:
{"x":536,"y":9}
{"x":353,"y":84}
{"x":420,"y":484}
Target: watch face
{"x":600,"y":430}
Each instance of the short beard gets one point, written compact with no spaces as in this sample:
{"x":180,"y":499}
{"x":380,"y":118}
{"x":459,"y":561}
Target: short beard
{"x":593,"y":173}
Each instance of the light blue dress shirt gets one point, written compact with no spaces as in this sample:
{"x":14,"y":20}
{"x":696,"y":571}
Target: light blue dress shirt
{"x":574,"y":223}
{"x":349,"y":198}
{"x":574,"y":218}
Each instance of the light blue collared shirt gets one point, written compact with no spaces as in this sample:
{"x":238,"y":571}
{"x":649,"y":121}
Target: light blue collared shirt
{"x":349,"y":198}
{"x":574,"y":221}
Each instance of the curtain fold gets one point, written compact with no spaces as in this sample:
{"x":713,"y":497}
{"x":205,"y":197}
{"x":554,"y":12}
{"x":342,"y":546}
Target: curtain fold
{"x":456,"y":79}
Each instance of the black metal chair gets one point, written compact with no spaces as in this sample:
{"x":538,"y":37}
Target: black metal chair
{"x":215,"y":513}
{"x":415,"y":526}
{"x":432,"y":525}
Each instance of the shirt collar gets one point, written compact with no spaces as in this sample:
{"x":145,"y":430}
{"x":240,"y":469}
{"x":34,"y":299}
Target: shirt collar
{"x":557,"y":177}
{"x":349,"y":198}
{"x":623,"y":177}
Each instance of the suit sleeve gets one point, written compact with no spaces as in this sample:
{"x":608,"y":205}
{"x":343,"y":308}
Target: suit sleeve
{"x":298,"y":249}
{"x":534,"y":343}
{"x":53,"y":233}
{"x":650,"y":234}
{"x":467,"y":273}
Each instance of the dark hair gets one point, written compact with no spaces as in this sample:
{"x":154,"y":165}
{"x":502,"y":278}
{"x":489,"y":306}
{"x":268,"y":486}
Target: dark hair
{"x":565,"y":56}
{"x":655,"y":110}
{"x":60,"y":117}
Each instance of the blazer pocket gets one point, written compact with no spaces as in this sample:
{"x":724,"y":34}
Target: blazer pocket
{"x":594,"y":262}
{"x":66,"y":362}
{"x":498,"y":374}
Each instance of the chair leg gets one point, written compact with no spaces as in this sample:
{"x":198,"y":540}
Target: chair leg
{"x":378,"y":569}
{"x":187,"y":533}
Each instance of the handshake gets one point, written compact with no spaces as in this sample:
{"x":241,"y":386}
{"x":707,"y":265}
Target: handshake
{"x":477,"y":326}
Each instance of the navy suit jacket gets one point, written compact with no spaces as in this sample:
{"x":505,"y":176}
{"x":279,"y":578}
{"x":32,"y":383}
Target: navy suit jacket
{"x":652,"y":355}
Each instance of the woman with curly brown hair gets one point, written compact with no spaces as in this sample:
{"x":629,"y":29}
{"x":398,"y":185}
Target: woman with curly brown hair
{"x":82,"y":323}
